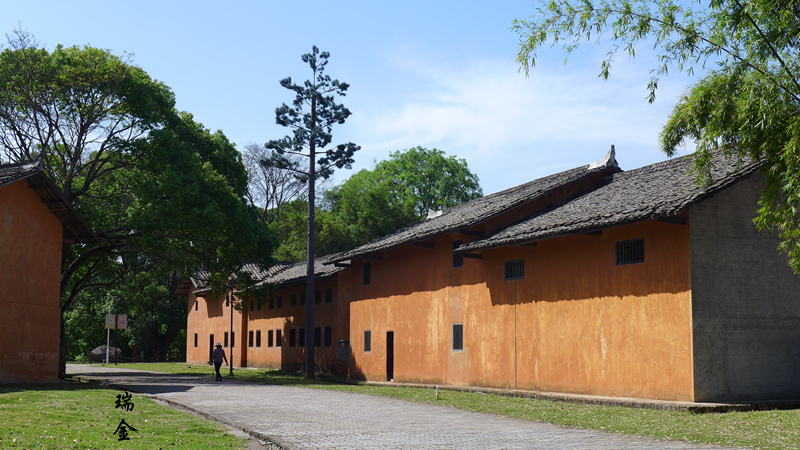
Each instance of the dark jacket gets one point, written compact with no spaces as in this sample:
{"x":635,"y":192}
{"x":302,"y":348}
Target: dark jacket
{"x":219,"y":355}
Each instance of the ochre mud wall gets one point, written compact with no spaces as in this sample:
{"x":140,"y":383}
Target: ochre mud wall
{"x":576,"y":322}
{"x":30,"y":258}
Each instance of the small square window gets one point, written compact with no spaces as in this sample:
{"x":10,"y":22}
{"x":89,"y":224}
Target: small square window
{"x":250,"y":338}
{"x":278,"y":338}
{"x":328,"y":336}
{"x":317,"y":337}
{"x":302,"y":337}
{"x":292,"y":338}
{"x":458,"y":260}
{"x":269,"y":338}
{"x":458,"y":336}
{"x":195,"y":340}
{"x":293,"y":300}
{"x":258,"y":338}
{"x":367,"y":274}
{"x":630,"y":252}
{"x":515,"y":270}
{"x":329,"y":295}
{"x":367,"y":341}
{"x":302,"y":299}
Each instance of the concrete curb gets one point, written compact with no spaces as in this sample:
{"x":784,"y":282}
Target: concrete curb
{"x":662,"y":405}
{"x":268,"y":442}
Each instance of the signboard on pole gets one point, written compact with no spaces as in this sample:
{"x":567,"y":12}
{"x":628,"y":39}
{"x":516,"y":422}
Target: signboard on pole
{"x":111,"y":321}
{"x":122,"y":321}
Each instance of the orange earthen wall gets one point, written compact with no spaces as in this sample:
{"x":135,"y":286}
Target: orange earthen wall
{"x":294,"y":318}
{"x":30,"y":258}
{"x":576,"y":322}
{"x":213,"y":316}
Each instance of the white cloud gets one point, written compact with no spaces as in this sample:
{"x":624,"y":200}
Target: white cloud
{"x":512,"y":129}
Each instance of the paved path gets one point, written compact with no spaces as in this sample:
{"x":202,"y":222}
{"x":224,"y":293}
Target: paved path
{"x":303,"y":418}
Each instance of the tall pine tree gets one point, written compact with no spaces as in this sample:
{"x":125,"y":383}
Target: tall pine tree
{"x":311,"y":117}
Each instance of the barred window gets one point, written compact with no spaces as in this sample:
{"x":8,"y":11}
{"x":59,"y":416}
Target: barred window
{"x":515,"y":270}
{"x":630,"y":252}
{"x":458,"y":336}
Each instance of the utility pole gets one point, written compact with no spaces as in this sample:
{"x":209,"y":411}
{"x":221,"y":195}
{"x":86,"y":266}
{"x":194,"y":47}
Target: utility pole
{"x":231,"y":285}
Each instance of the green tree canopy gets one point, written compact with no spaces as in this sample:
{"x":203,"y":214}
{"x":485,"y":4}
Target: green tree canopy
{"x":746,"y":101}
{"x":150,"y":181}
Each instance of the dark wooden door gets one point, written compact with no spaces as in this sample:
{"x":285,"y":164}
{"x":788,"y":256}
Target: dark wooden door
{"x":390,"y":355}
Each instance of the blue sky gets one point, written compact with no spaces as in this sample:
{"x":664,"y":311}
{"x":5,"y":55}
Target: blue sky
{"x":435,"y":74}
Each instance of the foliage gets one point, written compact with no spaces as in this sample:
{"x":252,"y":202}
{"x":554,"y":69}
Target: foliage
{"x":76,"y":415}
{"x":150,"y":181}
{"x":429,"y":180}
{"x":747,"y":104}
{"x":311,"y":117}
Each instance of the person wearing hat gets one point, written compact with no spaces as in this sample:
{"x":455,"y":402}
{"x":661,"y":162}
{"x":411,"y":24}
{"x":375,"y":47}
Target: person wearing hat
{"x":218,"y":356}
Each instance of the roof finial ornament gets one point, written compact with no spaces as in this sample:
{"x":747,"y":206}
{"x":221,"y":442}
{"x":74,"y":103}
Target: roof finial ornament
{"x":610,"y":160}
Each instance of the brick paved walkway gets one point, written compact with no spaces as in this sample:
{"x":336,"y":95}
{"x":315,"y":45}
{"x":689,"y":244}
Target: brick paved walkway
{"x":302,"y":418}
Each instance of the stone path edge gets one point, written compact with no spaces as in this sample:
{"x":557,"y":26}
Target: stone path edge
{"x":268,"y":442}
{"x":662,"y":405}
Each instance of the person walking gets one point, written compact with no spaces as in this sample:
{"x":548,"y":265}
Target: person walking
{"x":218,"y":356}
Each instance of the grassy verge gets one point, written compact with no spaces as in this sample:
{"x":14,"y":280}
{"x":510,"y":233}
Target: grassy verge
{"x":753,"y":429}
{"x":83,"y":416}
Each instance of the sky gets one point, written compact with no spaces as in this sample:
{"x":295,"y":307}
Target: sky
{"x":437,"y":74}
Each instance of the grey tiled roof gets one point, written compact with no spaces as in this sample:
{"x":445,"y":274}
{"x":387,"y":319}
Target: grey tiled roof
{"x":479,"y":210}
{"x":297,"y":271}
{"x":75,"y":228}
{"x":659,"y":190}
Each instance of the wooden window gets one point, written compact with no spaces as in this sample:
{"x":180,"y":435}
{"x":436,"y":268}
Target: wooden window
{"x":302,"y":299}
{"x":280,"y":302}
{"x":269,"y":338}
{"x":317,"y":337}
{"x":458,"y":336}
{"x":258,"y":338}
{"x":278,"y":338}
{"x":195,"y":340}
{"x":293,"y":300}
{"x":252,"y":306}
{"x":258,"y":306}
{"x":515,"y":270}
{"x":272,"y":303}
{"x":301,"y":342}
{"x":318,"y":297}
{"x":250,"y":338}
{"x":367,"y":341}
{"x":367,"y":274}
{"x":458,"y":260}
{"x":226,"y":339}
{"x":328,"y":336}
{"x":292,"y":338}
{"x":329,"y":295}
{"x":630,"y":252}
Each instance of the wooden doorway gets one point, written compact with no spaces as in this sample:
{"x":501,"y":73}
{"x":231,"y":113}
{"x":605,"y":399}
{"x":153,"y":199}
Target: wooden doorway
{"x":390,"y":356}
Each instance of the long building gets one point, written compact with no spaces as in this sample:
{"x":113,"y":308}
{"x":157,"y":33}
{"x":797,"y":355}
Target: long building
{"x":594,"y":280}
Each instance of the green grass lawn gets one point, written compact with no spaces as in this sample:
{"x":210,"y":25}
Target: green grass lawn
{"x":83,"y":416}
{"x":754,"y":429}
